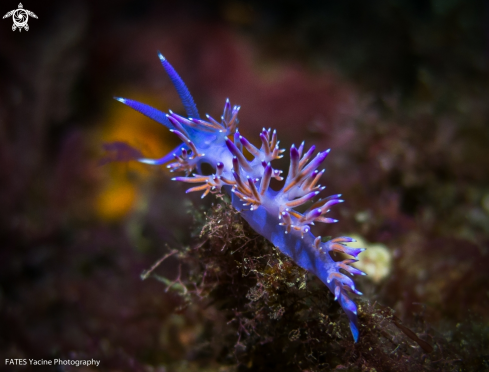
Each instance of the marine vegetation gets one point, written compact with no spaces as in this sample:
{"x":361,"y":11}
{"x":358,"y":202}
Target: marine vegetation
{"x":272,"y":214}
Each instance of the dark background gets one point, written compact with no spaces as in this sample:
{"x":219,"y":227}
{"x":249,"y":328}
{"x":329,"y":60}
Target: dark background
{"x":397,"y":89}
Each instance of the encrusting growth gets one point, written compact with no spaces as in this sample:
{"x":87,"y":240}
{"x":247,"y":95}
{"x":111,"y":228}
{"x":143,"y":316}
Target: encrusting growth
{"x":271,"y":213}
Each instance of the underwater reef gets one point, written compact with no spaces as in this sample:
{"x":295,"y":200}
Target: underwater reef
{"x":396,"y":89}
{"x":257,"y":310}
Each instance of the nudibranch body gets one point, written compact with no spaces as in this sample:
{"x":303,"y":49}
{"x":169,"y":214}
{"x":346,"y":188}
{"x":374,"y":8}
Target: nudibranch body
{"x":270,"y":213}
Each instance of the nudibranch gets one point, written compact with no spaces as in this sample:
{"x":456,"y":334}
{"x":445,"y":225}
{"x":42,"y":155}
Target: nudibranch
{"x":273,"y":214}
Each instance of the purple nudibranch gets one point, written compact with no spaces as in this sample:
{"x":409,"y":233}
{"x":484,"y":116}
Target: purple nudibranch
{"x":270,"y":213}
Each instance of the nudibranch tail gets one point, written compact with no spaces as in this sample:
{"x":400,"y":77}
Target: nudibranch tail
{"x":273,"y":214}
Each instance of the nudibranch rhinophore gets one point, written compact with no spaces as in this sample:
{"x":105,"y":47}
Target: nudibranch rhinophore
{"x":273,"y":214}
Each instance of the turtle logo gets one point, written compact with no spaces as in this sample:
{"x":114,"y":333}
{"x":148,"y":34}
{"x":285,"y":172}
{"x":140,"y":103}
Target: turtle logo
{"x":20,"y":17}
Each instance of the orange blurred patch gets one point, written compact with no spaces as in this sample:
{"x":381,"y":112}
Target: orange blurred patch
{"x":120,"y":189}
{"x":127,"y":125}
{"x":115,"y":200}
